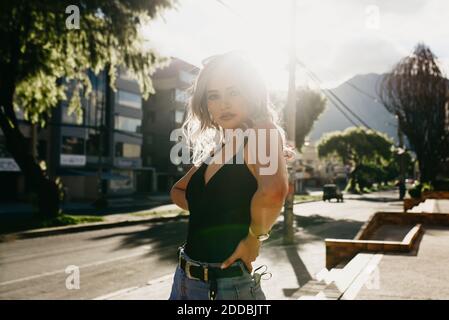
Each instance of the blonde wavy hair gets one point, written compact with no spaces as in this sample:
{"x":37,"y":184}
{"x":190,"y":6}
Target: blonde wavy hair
{"x":201,"y":133}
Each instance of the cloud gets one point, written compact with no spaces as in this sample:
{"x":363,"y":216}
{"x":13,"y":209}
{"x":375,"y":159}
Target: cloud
{"x":361,"y":55}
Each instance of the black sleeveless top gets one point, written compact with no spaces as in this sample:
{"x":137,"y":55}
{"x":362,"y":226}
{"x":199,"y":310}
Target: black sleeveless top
{"x":220,"y":211}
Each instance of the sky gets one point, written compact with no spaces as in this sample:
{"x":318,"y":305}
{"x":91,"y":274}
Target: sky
{"x":336,"y":40}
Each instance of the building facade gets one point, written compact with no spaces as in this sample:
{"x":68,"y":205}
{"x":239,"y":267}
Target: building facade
{"x":118,"y":146}
{"x":163,"y":113}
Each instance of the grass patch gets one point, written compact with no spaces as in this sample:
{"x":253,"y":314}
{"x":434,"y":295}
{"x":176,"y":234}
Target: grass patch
{"x":65,"y":219}
{"x":157,"y":213}
{"x":305,"y":198}
{"x":35,"y":223}
{"x":313,"y":220}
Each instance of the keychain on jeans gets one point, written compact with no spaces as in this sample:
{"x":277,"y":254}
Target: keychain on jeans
{"x":258,"y":276}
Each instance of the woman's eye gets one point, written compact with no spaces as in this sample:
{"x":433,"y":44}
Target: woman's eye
{"x":213,"y":96}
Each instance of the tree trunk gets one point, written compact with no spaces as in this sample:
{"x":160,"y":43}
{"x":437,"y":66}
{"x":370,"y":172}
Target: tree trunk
{"x":353,"y":180}
{"x":428,"y":167}
{"x":46,"y":190}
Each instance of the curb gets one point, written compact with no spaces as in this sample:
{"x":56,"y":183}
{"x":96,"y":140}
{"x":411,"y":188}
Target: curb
{"x":84,"y":227}
{"x":308,"y":201}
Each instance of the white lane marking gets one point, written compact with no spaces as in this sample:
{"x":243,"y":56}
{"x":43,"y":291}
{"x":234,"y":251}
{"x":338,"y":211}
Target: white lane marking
{"x":94,"y":264}
{"x":128,"y":290}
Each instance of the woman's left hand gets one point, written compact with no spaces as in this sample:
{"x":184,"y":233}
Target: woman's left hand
{"x":247,"y":251}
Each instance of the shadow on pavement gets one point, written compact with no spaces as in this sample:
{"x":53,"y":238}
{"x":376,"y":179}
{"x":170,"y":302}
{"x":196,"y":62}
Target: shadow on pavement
{"x":301,"y":273}
{"x":380,"y":199}
{"x":164,"y":238}
{"x":325,"y":227}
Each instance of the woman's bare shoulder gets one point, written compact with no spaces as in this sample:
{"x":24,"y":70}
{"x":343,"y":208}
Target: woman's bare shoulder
{"x":184,"y":181}
{"x":264,"y":124}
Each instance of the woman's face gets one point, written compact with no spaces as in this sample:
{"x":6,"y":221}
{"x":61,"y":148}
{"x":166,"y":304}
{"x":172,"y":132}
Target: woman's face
{"x":225,"y":102}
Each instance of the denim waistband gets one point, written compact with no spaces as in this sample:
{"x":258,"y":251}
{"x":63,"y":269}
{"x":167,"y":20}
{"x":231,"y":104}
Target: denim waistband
{"x":238,"y":263}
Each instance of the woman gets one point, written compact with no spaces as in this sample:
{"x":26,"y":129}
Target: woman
{"x":232,"y":205}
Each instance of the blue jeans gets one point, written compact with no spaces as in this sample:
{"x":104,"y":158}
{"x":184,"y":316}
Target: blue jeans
{"x":245,"y":287}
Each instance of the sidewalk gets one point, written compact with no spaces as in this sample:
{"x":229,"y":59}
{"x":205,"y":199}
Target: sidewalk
{"x":162,"y":212}
{"x":115,"y":205}
{"x":421,"y":275}
{"x":432,"y":205}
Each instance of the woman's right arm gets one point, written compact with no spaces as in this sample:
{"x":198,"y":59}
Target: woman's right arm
{"x":178,"y":191}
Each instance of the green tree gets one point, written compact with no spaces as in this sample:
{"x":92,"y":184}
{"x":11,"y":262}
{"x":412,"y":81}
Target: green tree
{"x":309,"y":105}
{"x":416,"y":91}
{"x":392,"y":170}
{"x":41,"y":54}
{"x":366,"y":151}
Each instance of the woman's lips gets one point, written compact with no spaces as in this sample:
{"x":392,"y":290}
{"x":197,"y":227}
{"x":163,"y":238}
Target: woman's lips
{"x":227,"y":116}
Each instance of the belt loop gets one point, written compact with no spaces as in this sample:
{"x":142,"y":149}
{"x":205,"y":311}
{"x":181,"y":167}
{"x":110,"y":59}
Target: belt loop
{"x":213,"y":289}
{"x":179,"y":255}
{"x":206,"y":273}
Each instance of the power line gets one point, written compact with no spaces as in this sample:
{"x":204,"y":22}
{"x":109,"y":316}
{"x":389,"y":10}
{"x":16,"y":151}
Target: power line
{"x":314,"y":76}
{"x":224,"y":4}
{"x":331,"y":99}
{"x":349,"y":110}
{"x":363,"y":92}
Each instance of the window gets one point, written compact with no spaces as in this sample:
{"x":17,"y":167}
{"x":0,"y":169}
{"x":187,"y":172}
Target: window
{"x":93,"y":143}
{"x":122,"y":184}
{"x":72,"y":145}
{"x":181,"y":96}
{"x":125,"y":74}
{"x":179,"y":116}
{"x":19,"y":113}
{"x":152,"y":116}
{"x":95,"y":104}
{"x":128,"y":124}
{"x":129,"y":99}
{"x":186,"y":77}
{"x":95,"y":114}
{"x":127,"y":150}
{"x":42,"y":150}
{"x":72,"y":118}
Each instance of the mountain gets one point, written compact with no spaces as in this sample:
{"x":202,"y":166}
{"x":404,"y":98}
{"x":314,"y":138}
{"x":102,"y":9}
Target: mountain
{"x":358,"y":94}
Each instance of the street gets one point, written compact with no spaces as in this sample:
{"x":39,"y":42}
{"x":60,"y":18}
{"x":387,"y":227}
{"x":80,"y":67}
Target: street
{"x":114,"y":259}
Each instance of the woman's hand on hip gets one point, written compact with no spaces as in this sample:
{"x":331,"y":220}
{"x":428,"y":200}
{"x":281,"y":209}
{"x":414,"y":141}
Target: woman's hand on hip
{"x":247,"y":250}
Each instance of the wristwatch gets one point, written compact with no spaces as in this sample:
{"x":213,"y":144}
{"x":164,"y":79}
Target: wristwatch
{"x":260,"y":237}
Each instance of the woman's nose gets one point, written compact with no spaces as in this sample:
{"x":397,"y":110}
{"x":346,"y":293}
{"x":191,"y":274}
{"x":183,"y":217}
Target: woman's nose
{"x":225,"y":103}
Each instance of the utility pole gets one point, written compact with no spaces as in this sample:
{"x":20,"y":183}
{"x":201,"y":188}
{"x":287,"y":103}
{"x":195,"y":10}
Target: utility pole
{"x":401,"y":152}
{"x":101,"y":201}
{"x":290,"y":123}
{"x":34,"y":141}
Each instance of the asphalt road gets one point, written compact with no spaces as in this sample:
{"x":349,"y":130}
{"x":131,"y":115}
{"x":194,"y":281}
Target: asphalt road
{"x":113,"y":259}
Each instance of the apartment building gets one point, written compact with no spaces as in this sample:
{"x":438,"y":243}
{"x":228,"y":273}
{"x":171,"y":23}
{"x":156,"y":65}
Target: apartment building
{"x":163,"y":113}
{"x":118,"y":147}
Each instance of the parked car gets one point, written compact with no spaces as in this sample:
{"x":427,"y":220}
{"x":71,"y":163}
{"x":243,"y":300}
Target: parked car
{"x":331,"y":191}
